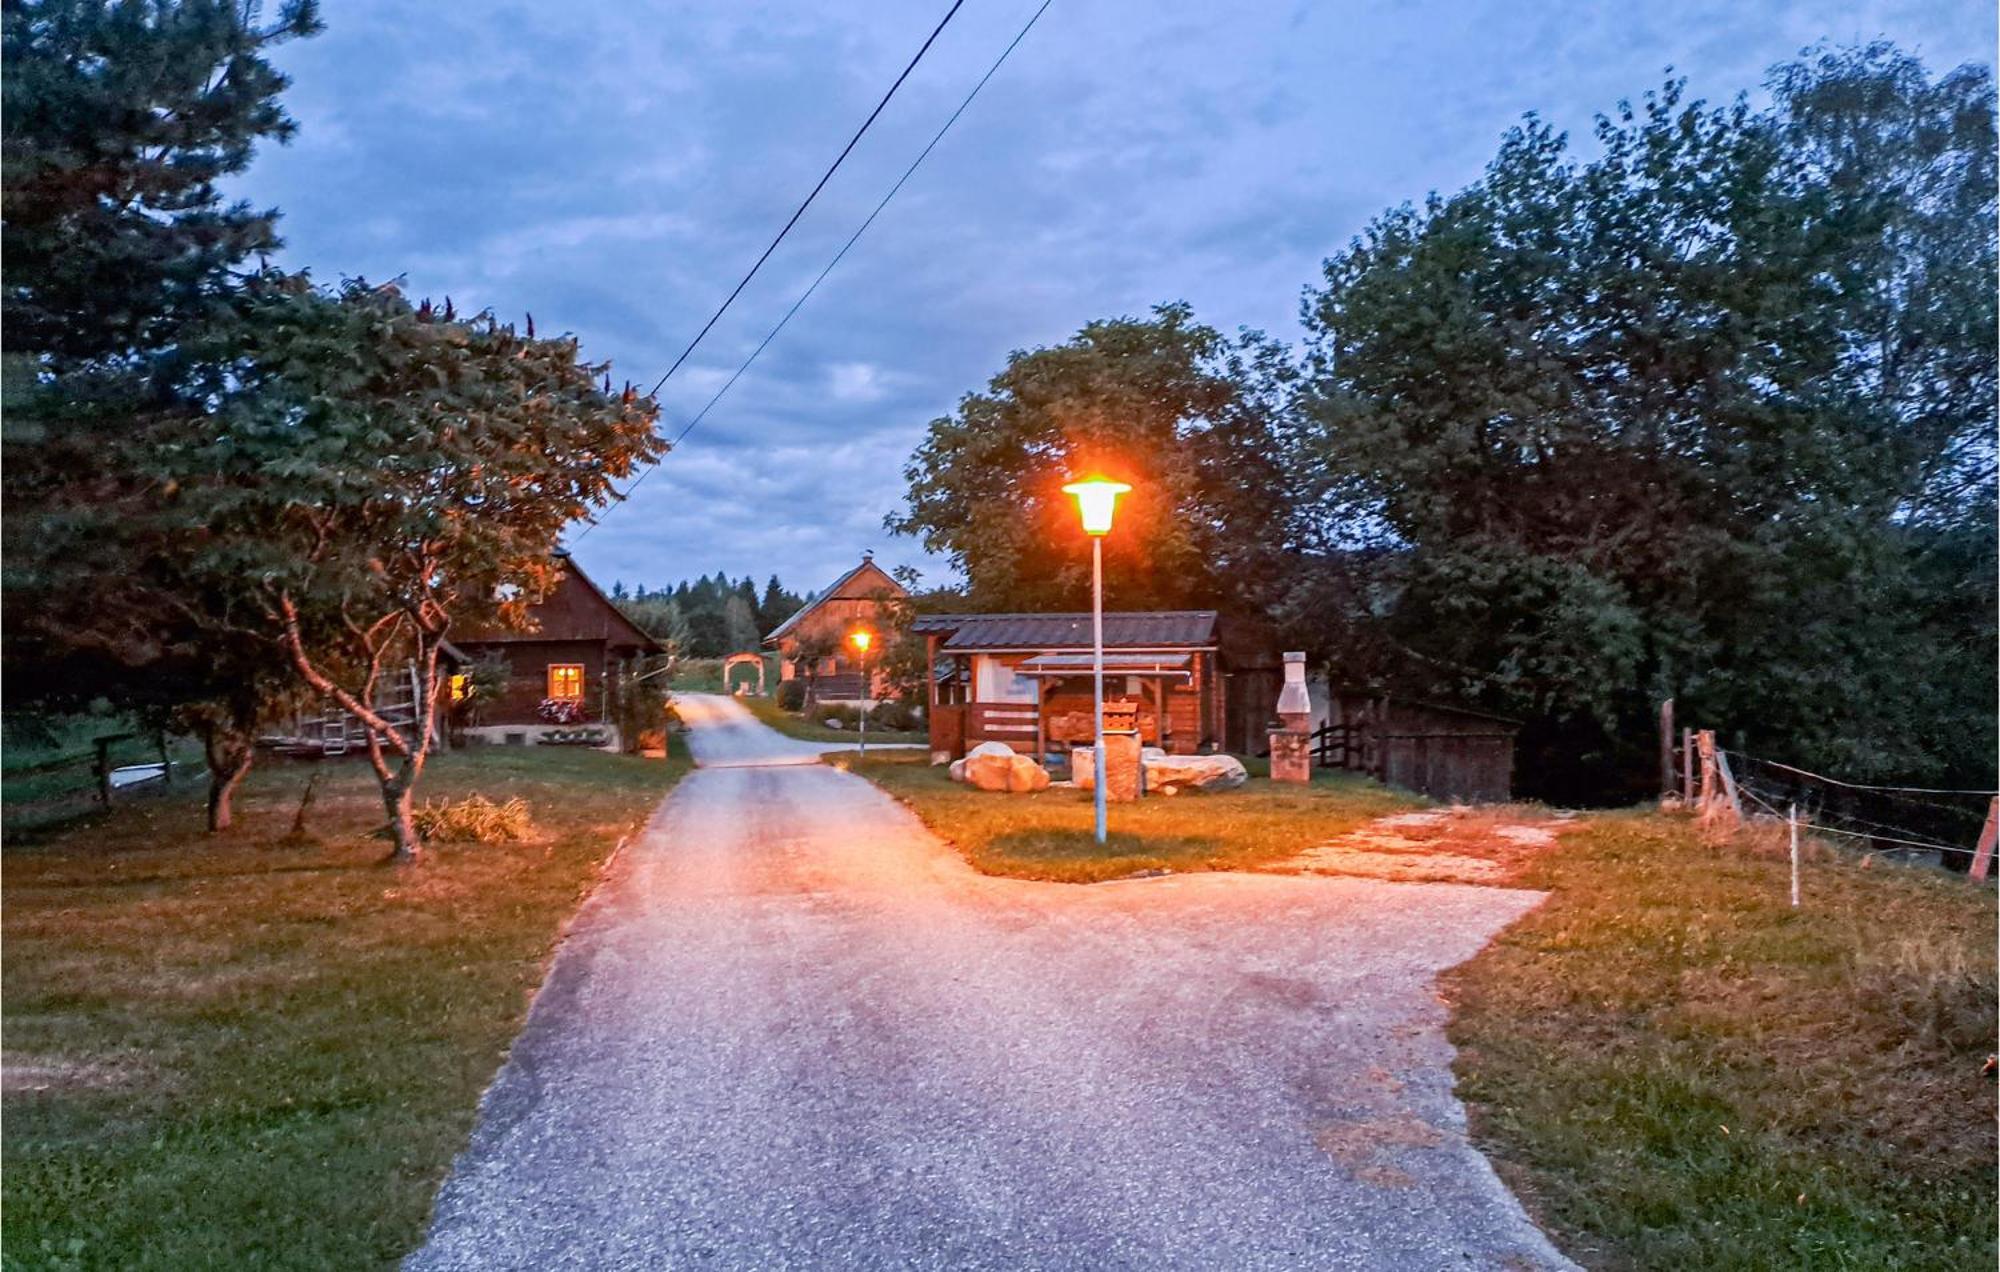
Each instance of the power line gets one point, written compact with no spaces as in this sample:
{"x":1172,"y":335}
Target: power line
{"x":824,"y":178}
{"x":852,"y":239}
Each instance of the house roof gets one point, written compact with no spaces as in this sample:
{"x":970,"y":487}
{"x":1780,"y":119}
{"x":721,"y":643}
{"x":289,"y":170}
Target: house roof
{"x":1138,"y":629}
{"x":864,"y":581}
{"x":575,"y":609}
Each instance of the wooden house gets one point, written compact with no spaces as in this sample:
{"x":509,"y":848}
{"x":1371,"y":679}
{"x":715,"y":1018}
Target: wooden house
{"x":813,"y":642}
{"x":1025,"y":679}
{"x":562,"y":673}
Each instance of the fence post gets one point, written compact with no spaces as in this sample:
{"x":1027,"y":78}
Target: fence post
{"x":1704,"y":742}
{"x":166,"y":761}
{"x":1729,"y":786}
{"x":103,"y":770}
{"x":1792,"y":823}
{"x":1982,"y":856}
{"x":1666,"y":750}
{"x":1687,"y":767}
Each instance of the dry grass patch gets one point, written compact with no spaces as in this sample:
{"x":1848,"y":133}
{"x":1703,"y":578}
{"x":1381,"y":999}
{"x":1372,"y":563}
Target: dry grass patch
{"x":1677,"y":1069}
{"x":243,"y":1050}
{"x":1049,"y":834}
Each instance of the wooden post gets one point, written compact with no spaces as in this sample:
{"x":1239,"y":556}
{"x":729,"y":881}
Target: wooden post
{"x":1792,"y":823}
{"x":1982,"y":856}
{"x":1704,"y":742}
{"x":1729,"y":786}
{"x":1667,"y":750}
{"x":166,"y":761}
{"x":1687,"y":767}
{"x":103,"y":770}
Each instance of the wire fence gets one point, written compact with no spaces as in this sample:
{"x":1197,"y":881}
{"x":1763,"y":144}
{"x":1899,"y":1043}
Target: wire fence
{"x":1895,"y":821}
{"x":1952,"y":828}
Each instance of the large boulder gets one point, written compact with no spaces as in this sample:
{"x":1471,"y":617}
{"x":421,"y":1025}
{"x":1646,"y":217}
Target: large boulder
{"x":1025,"y":776}
{"x":989,"y":766}
{"x":1195,"y":772}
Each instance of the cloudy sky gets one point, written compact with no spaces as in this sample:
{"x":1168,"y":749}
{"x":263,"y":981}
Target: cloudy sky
{"x":613,"y":166}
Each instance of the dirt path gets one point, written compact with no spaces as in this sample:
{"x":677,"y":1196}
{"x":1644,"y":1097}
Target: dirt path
{"x":792,"y":1029}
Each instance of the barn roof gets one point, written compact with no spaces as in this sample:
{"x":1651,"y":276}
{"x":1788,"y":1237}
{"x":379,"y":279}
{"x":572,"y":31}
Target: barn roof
{"x":575,"y":609}
{"x":864,"y":581}
{"x":1136,"y":629}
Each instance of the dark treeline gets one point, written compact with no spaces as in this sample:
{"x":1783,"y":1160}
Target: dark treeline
{"x":1703,"y":408}
{"x":709,"y":617}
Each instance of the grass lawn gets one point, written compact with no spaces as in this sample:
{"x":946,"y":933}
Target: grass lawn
{"x":767,"y":710}
{"x":222,"y":1052}
{"x":1677,"y":1070}
{"x":1048,"y":835}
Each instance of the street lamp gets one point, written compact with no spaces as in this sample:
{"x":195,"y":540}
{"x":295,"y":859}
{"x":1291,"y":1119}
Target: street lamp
{"x":860,"y":638}
{"x":1096,"y":501}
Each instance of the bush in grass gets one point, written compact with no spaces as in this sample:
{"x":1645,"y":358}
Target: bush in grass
{"x":791,"y":695}
{"x":894,"y":716}
{"x":474,"y":819}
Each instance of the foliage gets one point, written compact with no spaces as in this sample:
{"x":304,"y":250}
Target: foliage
{"x":374,"y":472}
{"x":1678,"y":1069}
{"x":709,"y":617}
{"x":560,"y":710}
{"x":1190,"y":419}
{"x":121,"y":121}
{"x":1708,"y":415}
{"x":640,"y":702}
{"x":486,"y":682}
{"x":474,"y":819}
{"x":791,"y":695}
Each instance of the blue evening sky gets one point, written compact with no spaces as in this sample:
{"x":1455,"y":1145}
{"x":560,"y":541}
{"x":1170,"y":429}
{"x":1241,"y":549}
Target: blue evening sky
{"x":613,"y":167}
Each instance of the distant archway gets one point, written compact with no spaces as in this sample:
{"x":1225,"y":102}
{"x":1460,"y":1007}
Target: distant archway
{"x":731,"y":663}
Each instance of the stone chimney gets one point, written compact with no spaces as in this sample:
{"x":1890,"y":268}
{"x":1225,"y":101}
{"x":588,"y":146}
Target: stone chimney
{"x":1291,"y":741}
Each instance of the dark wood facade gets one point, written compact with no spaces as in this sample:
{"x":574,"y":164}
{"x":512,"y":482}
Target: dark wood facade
{"x":1447,"y":753}
{"x":579,"y":643}
{"x":857,"y":599}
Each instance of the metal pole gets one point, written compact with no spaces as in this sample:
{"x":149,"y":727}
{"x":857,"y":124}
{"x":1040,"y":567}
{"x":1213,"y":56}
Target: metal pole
{"x":864,"y":706}
{"x":1792,"y":820}
{"x":1097,"y":673}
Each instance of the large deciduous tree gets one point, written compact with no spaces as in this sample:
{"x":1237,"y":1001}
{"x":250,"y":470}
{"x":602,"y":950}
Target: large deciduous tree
{"x":373,"y":473}
{"x":1709,"y":414}
{"x":1185,"y":415}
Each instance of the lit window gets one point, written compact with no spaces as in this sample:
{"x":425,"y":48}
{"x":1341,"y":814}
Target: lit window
{"x":566,"y":681}
{"x":460,"y":683}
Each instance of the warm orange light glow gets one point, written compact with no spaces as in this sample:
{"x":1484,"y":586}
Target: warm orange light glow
{"x":860,"y":639}
{"x":1096,"y":500}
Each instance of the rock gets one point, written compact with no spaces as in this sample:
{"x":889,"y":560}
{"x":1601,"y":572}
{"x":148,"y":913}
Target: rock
{"x":1151,"y":753}
{"x":1024,"y":776}
{"x":1082,"y":770}
{"x":1121,"y":767}
{"x":989,"y":766}
{"x":1196,"y":772}
{"x":833,"y":722}
{"x":957,"y":770}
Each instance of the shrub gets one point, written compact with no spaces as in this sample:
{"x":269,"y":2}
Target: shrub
{"x":474,"y":819}
{"x":897,"y":716}
{"x":791,"y":695}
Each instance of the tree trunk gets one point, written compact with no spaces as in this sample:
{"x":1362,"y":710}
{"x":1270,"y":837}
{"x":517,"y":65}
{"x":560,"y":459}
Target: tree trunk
{"x":229,"y":759}
{"x":399,"y":798}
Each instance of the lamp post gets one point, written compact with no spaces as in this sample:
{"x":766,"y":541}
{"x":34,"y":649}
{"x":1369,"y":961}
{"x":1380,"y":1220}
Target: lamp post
{"x":1096,"y":501}
{"x":860,"y":638}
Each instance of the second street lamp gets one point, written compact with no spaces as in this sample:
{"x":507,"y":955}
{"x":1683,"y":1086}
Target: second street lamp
{"x":860,"y":638}
{"x":1096,"y":502}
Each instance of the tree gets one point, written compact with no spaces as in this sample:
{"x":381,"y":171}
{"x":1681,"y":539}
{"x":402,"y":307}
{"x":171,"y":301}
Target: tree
{"x":1623,"y":428}
{"x":739,"y":624}
{"x":1190,"y":419}
{"x":373,"y":473}
{"x":119,"y":123}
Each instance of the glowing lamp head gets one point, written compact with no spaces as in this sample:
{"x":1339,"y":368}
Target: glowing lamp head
{"x":1096,"y":500}
{"x":860,"y":640}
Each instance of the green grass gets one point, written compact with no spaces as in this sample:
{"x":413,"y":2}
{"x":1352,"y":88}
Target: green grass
{"x":226,"y":1052}
{"x":1677,"y":1069}
{"x":704,"y":675}
{"x":46,"y":775}
{"x":767,"y":710}
{"x":1049,"y":834}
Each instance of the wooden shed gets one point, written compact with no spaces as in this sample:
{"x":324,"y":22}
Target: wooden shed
{"x":1445,"y":752}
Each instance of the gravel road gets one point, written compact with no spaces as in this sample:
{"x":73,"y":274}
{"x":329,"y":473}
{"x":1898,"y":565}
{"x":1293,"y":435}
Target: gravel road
{"x":791,"y":1029}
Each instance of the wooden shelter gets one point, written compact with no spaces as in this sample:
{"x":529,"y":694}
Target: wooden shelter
{"x":1025,"y":679}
